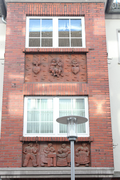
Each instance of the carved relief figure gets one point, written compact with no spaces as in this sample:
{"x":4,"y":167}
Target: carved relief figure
{"x":63,"y":156}
{"x":30,"y":153}
{"x":75,"y":66}
{"x":56,"y":67}
{"x":82,"y":155}
{"x":36,"y":65}
{"x":48,"y":156}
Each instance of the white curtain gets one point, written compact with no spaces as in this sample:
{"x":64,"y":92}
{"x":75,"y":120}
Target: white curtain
{"x":40,"y":116}
{"x":72,"y":107}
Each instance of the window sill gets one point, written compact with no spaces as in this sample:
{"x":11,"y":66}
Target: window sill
{"x":63,"y":50}
{"x":26,"y":139}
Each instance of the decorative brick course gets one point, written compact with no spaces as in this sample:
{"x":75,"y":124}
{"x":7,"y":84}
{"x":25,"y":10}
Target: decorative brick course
{"x":96,"y":87}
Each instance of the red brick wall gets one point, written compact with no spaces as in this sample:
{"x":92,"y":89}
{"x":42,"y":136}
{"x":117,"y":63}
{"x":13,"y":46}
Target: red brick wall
{"x":96,"y":88}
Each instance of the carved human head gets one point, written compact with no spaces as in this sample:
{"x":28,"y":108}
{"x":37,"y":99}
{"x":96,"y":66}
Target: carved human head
{"x":63,"y":146}
{"x":30,"y":144}
{"x":49,"y":145}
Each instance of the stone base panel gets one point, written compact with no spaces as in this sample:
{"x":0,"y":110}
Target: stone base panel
{"x":56,"y":172}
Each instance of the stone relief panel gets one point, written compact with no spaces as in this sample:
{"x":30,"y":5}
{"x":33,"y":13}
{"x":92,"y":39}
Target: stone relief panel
{"x":55,"y":68}
{"x":43,"y":154}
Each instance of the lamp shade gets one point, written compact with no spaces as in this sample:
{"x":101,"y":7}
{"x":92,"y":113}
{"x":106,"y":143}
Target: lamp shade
{"x":71,"y":122}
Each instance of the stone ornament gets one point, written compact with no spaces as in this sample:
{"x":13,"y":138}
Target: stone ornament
{"x":75,"y":66}
{"x":56,"y":67}
{"x":36,"y":65}
{"x":55,"y":154}
{"x":82,"y":155}
{"x":63,"y":156}
{"x":30,"y":153}
{"x":48,"y":156}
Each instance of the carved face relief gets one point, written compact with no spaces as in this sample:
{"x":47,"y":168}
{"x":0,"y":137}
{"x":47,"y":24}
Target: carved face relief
{"x":56,"y":67}
{"x":75,"y":66}
{"x":36,"y":65}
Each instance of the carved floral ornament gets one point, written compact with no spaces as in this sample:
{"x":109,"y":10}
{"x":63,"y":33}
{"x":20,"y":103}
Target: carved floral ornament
{"x":47,"y":156}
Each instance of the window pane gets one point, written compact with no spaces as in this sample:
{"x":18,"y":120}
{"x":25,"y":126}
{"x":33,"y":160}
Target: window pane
{"x":71,"y":107}
{"x":76,"y":28}
{"x":46,"y":124}
{"x":32,"y":127}
{"x":47,"y":27}
{"x":64,"y":43}
{"x":81,"y":128}
{"x":76,"y":42}
{"x":46,"y":127}
{"x":63,"y":27}
{"x":34,"y":42}
{"x":46,"y":42}
{"x":46,"y":104}
{"x":34,"y":28}
{"x":63,"y":128}
{"x":40,"y":116}
{"x":78,"y":104}
{"x":65,"y":104}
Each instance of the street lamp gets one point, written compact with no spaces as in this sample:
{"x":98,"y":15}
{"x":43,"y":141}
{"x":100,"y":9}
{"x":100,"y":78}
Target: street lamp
{"x":72,"y":122}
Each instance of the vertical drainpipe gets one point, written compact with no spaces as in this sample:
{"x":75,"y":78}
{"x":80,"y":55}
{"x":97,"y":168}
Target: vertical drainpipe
{"x":4,"y":11}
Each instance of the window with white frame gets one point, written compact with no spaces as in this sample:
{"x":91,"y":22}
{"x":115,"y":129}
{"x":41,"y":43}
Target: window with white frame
{"x":55,"y":32}
{"x":40,"y":114}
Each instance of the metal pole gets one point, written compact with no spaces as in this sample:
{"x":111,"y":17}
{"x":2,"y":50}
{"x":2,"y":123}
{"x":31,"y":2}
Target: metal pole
{"x":72,"y":160}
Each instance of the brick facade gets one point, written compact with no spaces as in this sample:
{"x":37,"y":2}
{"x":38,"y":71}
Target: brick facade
{"x":96,"y":87}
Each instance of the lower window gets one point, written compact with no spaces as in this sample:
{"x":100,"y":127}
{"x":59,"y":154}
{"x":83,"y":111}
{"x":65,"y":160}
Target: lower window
{"x":40,"y":115}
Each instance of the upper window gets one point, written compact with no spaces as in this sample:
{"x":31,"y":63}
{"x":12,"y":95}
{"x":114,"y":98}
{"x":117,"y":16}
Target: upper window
{"x":55,"y":32}
{"x":40,"y":115}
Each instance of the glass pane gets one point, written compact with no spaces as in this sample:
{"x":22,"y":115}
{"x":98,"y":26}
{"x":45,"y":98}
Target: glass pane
{"x":46,"y":104}
{"x":63,"y":27}
{"x":76,"y":28}
{"x":33,"y":104}
{"x":32,"y":127}
{"x":46,"y":127}
{"x":81,"y":128}
{"x":64,"y":43}
{"x":47,"y":27}
{"x":47,"y":116}
{"x":34,"y":42}
{"x":76,"y":42}
{"x":33,"y":115}
{"x":65,"y":104}
{"x":78,"y":104}
{"x":46,"y":43}
{"x":79,"y":113}
{"x":63,"y":128}
{"x":46,"y":120}
{"x":34,"y":28}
